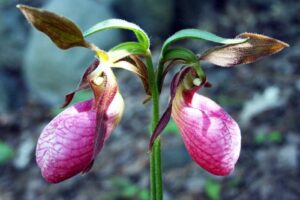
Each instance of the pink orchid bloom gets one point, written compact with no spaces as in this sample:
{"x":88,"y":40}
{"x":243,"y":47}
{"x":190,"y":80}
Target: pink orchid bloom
{"x":210,"y":135}
{"x":69,"y":144}
{"x":66,"y":145}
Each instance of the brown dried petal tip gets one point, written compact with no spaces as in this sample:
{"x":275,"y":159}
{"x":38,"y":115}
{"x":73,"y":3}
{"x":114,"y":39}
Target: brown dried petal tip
{"x":256,"y":47}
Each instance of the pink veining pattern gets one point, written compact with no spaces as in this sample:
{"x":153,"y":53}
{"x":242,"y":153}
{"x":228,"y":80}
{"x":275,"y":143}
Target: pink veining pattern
{"x":65,"y":147}
{"x":210,"y":135}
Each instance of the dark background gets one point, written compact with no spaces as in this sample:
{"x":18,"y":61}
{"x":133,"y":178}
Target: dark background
{"x":263,"y":97}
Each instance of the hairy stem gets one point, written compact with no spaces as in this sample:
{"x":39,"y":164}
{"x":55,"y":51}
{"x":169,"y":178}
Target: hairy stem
{"x":156,"y":190}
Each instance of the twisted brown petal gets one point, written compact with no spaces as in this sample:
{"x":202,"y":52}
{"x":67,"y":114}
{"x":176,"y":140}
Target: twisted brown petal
{"x":104,"y":95}
{"x":84,"y":83}
{"x":256,"y":47}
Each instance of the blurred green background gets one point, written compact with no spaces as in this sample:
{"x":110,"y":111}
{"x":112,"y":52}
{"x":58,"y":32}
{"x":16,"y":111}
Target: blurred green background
{"x":263,"y":97}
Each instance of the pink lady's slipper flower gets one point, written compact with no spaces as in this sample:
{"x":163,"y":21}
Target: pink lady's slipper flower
{"x":69,"y":143}
{"x":210,"y":135}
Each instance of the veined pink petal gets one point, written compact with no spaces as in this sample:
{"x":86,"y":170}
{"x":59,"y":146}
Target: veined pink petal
{"x":66,"y":145}
{"x":210,"y":135}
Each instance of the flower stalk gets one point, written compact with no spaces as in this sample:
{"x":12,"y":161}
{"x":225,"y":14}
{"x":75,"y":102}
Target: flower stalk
{"x":156,"y":190}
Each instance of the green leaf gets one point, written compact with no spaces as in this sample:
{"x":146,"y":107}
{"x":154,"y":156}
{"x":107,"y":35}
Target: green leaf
{"x":180,"y":53}
{"x":127,"y":189}
{"x":212,"y":189}
{"x":275,"y":136}
{"x":197,"y":34}
{"x":125,"y":49}
{"x":142,"y":37}
{"x":6,"y":153}
{"x":144,"y":194}
{"x":130,"y":191}
{"x":260,"y":138}
{"x":62,"y":31}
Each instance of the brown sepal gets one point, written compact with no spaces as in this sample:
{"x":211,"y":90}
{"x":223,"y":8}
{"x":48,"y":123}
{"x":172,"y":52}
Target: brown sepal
{"x":141,"y":67}
{"x":62,"y":31}
{"x":256,"y":47}
{"x":134,"y":64}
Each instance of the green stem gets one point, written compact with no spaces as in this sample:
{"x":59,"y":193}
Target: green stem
{"x":156,"y":190}
{"x":159,"y":72}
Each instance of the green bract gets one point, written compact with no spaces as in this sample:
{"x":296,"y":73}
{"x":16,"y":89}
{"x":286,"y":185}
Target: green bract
{"x":180,"y":54}
{"x":197,"y":34}
{"x":142,"y":37}
{"x":125,"y":49}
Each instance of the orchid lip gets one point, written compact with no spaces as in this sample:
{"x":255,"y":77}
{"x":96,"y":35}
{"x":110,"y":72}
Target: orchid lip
{"x":210,"y":135}
{"x":66,"y":145}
